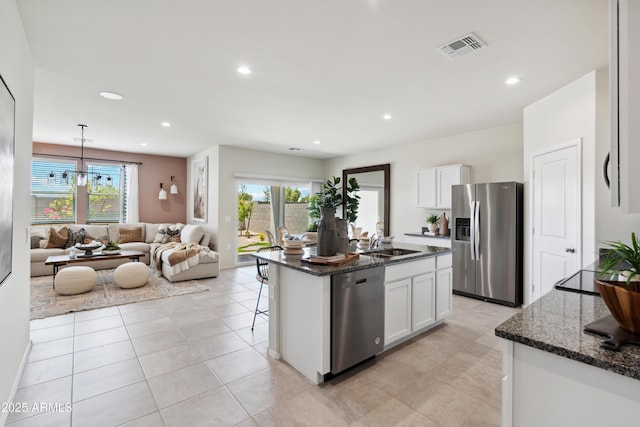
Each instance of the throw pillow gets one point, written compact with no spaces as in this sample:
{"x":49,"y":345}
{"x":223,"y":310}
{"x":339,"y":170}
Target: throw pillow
{"x":35,"y":241}
{"x":57,"y":239}
{"x":127,"y":235}
{"x":191,"y":233}
{"x":162,"y":236}
{"x":79,"y":236}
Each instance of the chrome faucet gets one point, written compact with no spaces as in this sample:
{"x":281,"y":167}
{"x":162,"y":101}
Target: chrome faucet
{"x":373,"y":242}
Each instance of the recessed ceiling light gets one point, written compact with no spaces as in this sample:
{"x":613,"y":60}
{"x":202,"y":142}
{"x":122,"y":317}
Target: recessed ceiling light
{"x":513,"y":81}
{"x":316,"y":142}
{"x":166,"y":124}
{"x":112,"y":95}
{"x":244,"y":70}
{"x":387,"y":116}
{"x":144,"y":144}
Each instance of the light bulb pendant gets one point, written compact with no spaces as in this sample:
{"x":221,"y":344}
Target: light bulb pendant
{"x":163,"y":194}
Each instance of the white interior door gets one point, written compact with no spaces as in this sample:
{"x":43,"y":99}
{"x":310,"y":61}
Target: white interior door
{"x":556,"y":217}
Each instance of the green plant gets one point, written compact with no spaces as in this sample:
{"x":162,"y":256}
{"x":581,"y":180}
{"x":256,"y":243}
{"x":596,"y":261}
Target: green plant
{"x":623,"y":259}
{"x":331,"y":194}
{"x":313,"y":227}
{"x":433,"y":219}
{"x":261,"y":236}
{"x":352,"y":200}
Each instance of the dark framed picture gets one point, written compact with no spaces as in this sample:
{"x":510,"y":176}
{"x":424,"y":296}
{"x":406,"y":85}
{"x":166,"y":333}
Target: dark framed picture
{"x":199,"y":182}
{"x":7,"y":145}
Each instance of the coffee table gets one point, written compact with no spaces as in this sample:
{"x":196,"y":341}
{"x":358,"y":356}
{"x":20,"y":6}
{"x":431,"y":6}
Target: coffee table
{"x":58,"y":261}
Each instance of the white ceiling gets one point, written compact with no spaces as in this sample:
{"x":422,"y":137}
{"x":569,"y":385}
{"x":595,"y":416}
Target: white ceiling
{"x":322,"y":69}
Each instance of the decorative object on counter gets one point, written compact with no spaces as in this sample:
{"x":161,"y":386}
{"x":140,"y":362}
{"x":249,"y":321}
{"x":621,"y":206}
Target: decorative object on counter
{"x":432,"y":222}
{"x":355,"y":231}
{"x":327,"y":232}
{"x":88,"y":249}
{"x":326,"y":202}
{"x":616,"y":336}
{"x":622,"y":297}
{"x":334,"y":260}
{"x":111,"y":248}
{"x":293,"y":247}
{"x":342,"y":246}
{"x":444,"y":224}
{"x":380,"y":231}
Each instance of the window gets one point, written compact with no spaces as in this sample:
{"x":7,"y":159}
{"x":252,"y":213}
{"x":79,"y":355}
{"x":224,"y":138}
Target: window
{"x":52,"y":192}
{"x":105,"y":201}
{"x":54,"y":195}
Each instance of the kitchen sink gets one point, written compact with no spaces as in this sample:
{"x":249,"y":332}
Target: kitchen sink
{"x":390,"y":252}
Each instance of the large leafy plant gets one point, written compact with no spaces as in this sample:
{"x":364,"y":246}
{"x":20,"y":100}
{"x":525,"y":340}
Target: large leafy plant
{"x":623,"y":259}
{"x":352,"y":200}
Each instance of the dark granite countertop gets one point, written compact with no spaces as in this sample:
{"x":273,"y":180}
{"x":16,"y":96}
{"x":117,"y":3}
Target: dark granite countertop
{"x":364,"y":261}
{"x":418,"y":234}
{"x":554,"y":323}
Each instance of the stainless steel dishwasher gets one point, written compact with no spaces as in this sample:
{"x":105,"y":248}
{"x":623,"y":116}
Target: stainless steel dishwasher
{"x":357,"y":317}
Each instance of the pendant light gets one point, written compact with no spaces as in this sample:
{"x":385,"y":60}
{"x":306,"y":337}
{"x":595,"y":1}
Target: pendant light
{"x":81,"y":180}
{"x":163,"y":194}
{"x":174,"y":187}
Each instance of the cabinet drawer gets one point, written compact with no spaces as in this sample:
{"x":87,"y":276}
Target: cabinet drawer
{"x":444,"y":261}
{"x":408,"y":269}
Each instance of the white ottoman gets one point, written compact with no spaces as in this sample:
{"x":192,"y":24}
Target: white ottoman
{"x":131,"y":275}
{"x":75,"y":280}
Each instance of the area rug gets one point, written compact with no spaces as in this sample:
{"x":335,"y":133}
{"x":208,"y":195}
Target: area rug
{"x":45,"y":302}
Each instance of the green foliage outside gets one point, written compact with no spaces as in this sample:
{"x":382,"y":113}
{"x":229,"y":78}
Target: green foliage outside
{"x":245,"y":209}
{"x":251,"y":247}
{"x":62,"y":207}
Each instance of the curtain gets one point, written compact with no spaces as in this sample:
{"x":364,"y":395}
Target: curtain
{"x":276,"y":209}
{"x":131,"y":191}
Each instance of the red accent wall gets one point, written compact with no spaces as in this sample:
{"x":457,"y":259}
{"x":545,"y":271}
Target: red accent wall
{"x":153,"y":170}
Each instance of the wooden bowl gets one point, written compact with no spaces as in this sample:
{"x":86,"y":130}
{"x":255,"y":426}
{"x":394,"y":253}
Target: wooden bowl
{"x":623,"y":301}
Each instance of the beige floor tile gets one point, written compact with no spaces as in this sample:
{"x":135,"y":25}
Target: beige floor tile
{"x":47,"y":370}
{"x":45,"y":419}
{"x":302,"y":410}
{"x":137,"y":306}
{"x":168,"y":360}
{"x":192,"y":315}
{"x":484,"y":416}
{"x":83,"y":316}
{"x":144,"y":315}
{"x":208,"y":300}
{"x":141,"y":329}
{"x":245,"y":296}
{"x":154,"y":419}
{"x":156,"y":342}
{"x":203,"y":329}
{"x":96,"y":339}
{"x":259,"y":334}
{"x":227,"y":310}
{"x":107,"y":378}
{"x":214,"y":408}
{"x":238,"y":364}
{"x":241,"y":321}
{"x":182,"y":384}
{"x":54,"y":391}
{"x":265,"y":389}
{"x":101,"y":356}
{"x":99,"y":324}
{"x":48,"y":322}
{"x":394,"y":413}
{"x":115,"y":407}
{"x":218,"y":345}
{"x":48,"y":349}
{"x":52,"y":333}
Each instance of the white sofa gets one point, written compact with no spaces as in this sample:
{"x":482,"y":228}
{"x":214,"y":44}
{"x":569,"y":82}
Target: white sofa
{"x":111,"y":232}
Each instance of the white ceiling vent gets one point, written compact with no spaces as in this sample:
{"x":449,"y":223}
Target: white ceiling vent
{"x":461,"y":46}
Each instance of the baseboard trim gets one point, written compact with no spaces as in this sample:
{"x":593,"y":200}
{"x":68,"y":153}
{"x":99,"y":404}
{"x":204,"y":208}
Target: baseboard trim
{"x":16,"y":382}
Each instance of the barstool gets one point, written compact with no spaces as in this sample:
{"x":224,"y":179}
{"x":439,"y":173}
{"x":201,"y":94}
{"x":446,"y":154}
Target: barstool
{"x":263,"y":277}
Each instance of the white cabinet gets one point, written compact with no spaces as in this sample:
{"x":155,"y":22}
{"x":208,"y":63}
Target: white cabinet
{"x":397,"y":310}
{"x":429,"y":241}
{"x":411,"y":298}
{"x":434,"y":185}
{"x":444,"y":284}
{"x":625,"y":103}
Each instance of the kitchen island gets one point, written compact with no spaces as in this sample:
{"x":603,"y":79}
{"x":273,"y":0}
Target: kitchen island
{"x":300,"y":301}
{"x":557,"y":374}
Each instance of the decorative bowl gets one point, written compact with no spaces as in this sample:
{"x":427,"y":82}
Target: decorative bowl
{"x":88,"y":248}
{"x":623,"y":301}
{"x":111,"y":252}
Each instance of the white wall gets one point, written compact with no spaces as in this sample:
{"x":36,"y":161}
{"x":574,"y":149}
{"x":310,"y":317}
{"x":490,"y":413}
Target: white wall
{"x":611,"y":224}
{"x":16,"y":68}
{"x":494,"y":154}
{"x":225,"y":163}
{"x":565,"y":115}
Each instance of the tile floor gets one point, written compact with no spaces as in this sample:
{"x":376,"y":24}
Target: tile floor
{"x":193,"y":360}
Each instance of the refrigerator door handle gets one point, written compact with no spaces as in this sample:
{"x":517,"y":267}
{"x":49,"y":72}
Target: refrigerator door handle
{"x":472,"y":237}
{"x":476,"y":238}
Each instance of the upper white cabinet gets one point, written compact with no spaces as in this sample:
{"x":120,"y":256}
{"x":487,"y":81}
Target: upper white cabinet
{"x":434,"y":185}
{"x":625,"y":103}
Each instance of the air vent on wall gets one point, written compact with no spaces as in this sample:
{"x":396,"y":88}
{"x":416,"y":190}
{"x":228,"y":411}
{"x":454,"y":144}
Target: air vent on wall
{"x":461,"y":46}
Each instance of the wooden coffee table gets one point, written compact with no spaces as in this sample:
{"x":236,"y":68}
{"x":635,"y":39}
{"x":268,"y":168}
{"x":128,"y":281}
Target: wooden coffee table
{"x":59,"y":260}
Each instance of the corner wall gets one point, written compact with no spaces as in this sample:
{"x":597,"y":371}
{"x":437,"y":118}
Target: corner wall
{"x":566,"y":114}
{"x":16,"y":67}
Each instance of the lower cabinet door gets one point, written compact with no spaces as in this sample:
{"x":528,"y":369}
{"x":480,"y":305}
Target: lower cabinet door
{"x":397,"y":310}
{"x":423,"y":301}
{"x":444,"y":283}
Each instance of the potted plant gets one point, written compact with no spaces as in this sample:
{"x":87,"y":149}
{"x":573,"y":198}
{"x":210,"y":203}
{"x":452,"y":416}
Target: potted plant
{"x":432,"y":222}
{"x":622,"y":296}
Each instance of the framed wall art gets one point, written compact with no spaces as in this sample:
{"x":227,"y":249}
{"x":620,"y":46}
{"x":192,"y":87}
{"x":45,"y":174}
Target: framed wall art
{"x":7,"y":145}
{"x":200,"y":169}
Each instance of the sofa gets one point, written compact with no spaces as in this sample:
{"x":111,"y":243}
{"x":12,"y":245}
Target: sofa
{"x":48,"y":240}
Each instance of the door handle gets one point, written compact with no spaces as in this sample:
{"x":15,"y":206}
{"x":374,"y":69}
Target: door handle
{"x":570,"y":250}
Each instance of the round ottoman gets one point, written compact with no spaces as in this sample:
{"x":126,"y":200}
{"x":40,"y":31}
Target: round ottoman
{"x":131,"y":275}
{"x":75,"y":280}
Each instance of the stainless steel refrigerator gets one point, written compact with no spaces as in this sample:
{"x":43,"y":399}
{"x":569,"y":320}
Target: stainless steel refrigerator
{"x":487,"y":241}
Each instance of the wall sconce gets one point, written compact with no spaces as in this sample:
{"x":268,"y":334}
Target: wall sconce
{"x":174,"y":187}
{"x":163,"y":194}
